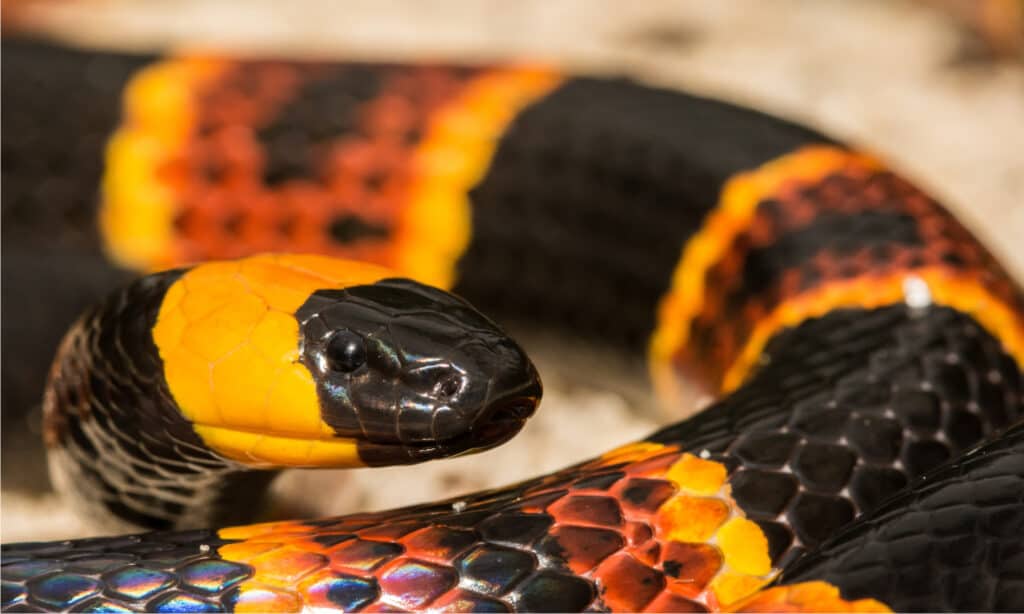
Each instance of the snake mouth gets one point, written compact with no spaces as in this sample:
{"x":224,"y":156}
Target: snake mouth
{"x":497,"y":426}
{"x":502,"y":420}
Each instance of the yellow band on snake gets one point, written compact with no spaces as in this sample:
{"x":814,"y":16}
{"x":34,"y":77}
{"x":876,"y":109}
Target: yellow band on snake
{"x":229,"y":341}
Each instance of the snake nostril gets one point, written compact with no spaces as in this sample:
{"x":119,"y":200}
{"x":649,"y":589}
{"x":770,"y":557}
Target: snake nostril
{"x":449,"y":385}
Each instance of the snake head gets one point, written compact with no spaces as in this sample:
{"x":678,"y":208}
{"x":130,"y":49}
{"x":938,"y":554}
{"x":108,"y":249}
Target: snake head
{"x":413,"y":372}
{"x":307,"y":361}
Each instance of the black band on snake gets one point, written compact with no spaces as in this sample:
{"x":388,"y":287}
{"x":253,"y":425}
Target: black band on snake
{"x":864,"y":349}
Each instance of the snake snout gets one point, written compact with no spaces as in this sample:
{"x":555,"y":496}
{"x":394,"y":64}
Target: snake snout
{"x":512,"y":390}
{"x":505,"y":415}
{"x":479,"y":401}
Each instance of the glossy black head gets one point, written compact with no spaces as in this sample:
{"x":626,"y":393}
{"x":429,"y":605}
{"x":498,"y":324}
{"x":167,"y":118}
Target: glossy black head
{"x":414,"y":373}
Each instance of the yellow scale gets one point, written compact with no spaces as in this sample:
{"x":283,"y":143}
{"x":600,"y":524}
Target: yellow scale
{"x":229,"y":340}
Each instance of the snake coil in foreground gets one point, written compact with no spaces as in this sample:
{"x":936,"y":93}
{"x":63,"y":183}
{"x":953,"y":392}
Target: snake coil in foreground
{"x":865,"y":451}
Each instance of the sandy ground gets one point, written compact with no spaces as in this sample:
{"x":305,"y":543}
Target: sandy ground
{"x":889,"y":75}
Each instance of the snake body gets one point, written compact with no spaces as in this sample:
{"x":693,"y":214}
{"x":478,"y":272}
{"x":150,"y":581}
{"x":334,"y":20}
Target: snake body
{"x":866,"y":350}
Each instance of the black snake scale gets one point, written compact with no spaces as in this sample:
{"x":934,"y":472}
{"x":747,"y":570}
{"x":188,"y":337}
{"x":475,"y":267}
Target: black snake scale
{"x":919,"y":551}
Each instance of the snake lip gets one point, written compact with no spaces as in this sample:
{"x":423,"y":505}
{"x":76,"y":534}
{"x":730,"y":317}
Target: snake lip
{"x":511,"y":400}
{"x":514,"y":405}
{"x":502,"y":419}
{"x":516,"y":410}
{"x":498,"y":425}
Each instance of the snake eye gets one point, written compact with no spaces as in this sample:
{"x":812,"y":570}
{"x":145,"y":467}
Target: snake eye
{"x":345,"y":351}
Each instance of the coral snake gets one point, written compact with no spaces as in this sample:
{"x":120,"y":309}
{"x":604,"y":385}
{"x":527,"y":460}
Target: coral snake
{"x":865,"y":451}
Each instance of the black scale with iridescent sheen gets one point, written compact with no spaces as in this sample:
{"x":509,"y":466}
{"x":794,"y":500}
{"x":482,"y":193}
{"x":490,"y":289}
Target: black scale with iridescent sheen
{"x":950,"y":543}
{"x":158,"y":572}
{"x":848,"y":409}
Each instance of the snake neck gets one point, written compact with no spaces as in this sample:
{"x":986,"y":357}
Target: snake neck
{"x":117,"y":445}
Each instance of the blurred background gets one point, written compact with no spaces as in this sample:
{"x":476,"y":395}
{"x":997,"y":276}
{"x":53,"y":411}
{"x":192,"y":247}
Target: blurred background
{"x":935,"y":87}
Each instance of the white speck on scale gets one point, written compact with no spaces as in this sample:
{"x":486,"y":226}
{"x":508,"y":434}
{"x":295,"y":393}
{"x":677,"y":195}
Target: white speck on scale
{"x":916,"y":293}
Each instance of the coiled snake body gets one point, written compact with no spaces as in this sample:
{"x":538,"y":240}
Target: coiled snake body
{"x":866,"y":349}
